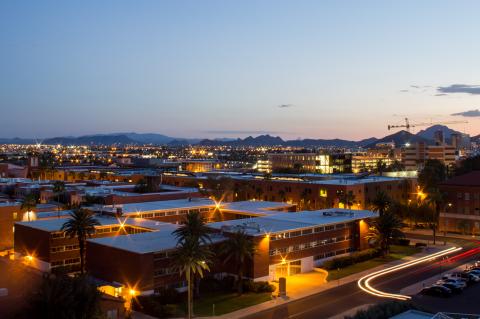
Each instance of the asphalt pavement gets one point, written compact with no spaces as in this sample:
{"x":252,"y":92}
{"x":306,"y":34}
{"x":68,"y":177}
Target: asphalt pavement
{"x":340,"y":299}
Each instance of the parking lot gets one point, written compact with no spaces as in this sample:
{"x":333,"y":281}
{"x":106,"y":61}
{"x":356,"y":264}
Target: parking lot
{"x":462,"y":301}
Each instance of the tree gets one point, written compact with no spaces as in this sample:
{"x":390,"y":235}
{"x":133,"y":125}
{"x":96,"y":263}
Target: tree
{"x":384,"y":230}
{"x":381,"y":167}
{"x":467,"y":165}
{"x":81,"y":225}
{"x":436,"y":199}
{"x":238,"y":249}
{"x":282,"y":195}
{"x":58,"y":189}
{"x":218,"y":188}
{"x":64,"y":297}
{"x":347,"y":199}
{"x":433,"y":173}
{"x":29,"y":204}
{"x":141,"y":186}
{"x":192,"y":255}
{"x":381,"y":203}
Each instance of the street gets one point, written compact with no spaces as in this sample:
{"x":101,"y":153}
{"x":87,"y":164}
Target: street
{"x":337,"y":300}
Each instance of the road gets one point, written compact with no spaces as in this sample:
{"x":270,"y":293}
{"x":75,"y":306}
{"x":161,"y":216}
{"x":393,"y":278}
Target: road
{"x":337,"y":300}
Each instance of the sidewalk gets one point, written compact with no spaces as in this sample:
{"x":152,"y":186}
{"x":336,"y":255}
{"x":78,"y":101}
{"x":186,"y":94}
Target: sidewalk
{"x":292,"y":296}
{"x":428,"y":232}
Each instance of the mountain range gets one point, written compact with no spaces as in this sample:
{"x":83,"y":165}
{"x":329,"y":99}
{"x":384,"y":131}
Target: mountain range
{"x":399,"y":138}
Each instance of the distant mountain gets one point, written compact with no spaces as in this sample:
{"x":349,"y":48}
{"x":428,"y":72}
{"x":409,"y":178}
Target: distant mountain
{"x":429,"y":133}
{"x":92,"y":140}
{"x":261,"y":140}
{"x":17,"y":140}
{"x":329,"y":143}
{"x":400,"y":138}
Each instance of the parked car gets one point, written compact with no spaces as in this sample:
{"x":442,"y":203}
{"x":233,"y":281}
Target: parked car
{"x":437,"y":291}
{"x":473,"y":272}
{"x":469,"y":278}
{"x":453,"y":287}
{"x":456,"y":281}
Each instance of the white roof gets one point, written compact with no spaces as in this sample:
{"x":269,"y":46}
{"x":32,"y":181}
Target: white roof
{"x":282,"y":221}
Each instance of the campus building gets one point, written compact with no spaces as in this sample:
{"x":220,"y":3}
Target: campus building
{"x":461,"y":212}
{"x":287,"y":244}
{"x":414,"y":156}
{"x":311,"y":162}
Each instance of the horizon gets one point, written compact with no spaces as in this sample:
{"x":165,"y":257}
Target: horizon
{"x":227,"y":70}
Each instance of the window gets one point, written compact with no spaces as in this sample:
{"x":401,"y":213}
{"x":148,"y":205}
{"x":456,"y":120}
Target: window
{"x":71,"y":247}
{"x":306,"y":231}
{"x":150,"y":215}
{"x":171,"y":213}
{"x":319,"y":229}
{"x":467,"y":196}
{"x":15,"y":215}
{"x":295,"y":233}
{"x":72,"y":261}
{"x":58,"y":235}
{"x":330,"y":227}
{"x":340,"y":226}
{"x":57,"y":249}
{"x":459,"y":195}
{"x":56,"y":263}
{"x":317,"y":257}
{"x":323,"y":192}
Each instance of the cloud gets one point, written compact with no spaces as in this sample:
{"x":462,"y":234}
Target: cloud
{"x":284,"y":106}
{"x":471,"y":113}
{"x":441,"y":94}
{"x":403,"y":91}
{"x":460,"y":88}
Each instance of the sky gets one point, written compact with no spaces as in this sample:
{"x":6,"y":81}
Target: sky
{"x":297,"y":69}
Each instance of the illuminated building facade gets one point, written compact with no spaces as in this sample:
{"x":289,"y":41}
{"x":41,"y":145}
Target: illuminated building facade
{"x":415,"y":156}
{"x":311,"y":162}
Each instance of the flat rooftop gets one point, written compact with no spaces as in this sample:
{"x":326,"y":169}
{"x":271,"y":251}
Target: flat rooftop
{"x":143,"y":243}
{"x":166,"y":205}
{"x":55,"y":224}
{"x":282,"y":221}
{"x":260,"y":208}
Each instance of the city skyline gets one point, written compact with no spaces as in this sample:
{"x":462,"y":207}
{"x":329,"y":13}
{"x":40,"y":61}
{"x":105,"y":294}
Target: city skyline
{"x":216,"y":69}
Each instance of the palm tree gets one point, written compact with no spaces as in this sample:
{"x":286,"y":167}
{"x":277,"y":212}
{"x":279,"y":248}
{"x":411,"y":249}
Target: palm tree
{"x":282,"y":195}
{"x":81,"y":225}
{"x":347,"y":199}
{"x":58,"y":189}
{"x":385,"y":229}
{"x":238,"y":249}
{"x":29,"y":204}
{"x":193,"y":254}
{"x":436,"y":199}
{"x":193,"y":227}
{"x":381,"y":203}
{"x":381,"y":167}
{"x":192,"y":259}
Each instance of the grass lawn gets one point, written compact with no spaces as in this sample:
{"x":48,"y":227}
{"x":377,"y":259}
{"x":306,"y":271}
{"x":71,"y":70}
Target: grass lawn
{"x":396,"y":252}
{"x":226,"y":302}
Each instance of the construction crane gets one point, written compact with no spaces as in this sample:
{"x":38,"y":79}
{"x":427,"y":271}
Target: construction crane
{"x":408,"y":125}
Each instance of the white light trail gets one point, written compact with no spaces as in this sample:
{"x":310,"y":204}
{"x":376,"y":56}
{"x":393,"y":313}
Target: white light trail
{"x":364,"y":282}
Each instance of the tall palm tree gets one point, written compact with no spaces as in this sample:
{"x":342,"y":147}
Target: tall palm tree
{"x":385,"y":229}
{"x":29,"y":204}
{"x":193,"y":227}
{"x":381,"y":203}
{"x":238,"y":249}
{"x":81,"y":225}
{"x":193,"y":254}
{"x":436,"y":200}
{"x":192,"y":259}
{"x":58,"y":189}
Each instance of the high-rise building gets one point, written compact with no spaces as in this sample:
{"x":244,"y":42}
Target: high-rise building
{"x":415,"y":156}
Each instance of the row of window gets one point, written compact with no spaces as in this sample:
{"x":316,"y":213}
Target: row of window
{"x":174,"y":212}
{"x":165,"y":271}
{"x":58,"y":249}
{"x":66,"y":262}
{"x":307,"y":231}
{"x":312,"y":244}
{"x":466,"y":196}
{"x":333,"y":253}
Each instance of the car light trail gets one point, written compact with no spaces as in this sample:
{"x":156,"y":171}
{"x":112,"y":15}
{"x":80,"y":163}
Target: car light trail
{"x":364,"y":282}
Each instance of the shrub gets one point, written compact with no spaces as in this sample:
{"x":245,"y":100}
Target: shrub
{"x":257,"y":286}
{"x":420,"y":245}
{"x":342,"y":262}
{"x":402,"y":242}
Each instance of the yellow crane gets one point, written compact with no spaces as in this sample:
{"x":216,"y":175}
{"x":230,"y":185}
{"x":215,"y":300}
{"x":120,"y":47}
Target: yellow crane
{"x":408,"y":125}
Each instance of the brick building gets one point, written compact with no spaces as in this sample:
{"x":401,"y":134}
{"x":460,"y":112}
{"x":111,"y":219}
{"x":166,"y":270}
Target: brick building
{"x":461,"y":212}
